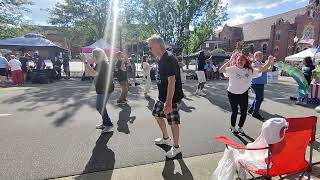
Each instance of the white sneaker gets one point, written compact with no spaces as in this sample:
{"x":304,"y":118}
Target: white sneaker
{"x":173,"y":152}
{"x":107,"y":129}
{"x":100,"y":126}
{"x":201,"y":93}
{"x":161,"y":141}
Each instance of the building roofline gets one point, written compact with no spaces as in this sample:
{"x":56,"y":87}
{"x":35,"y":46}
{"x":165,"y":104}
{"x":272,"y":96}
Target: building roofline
{"x":269,"y":17}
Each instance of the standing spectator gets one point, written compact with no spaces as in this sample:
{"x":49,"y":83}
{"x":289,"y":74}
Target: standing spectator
{"x":170,"y":94}
{"x":39,"y":61}
{"x":122,"y":76}
{"x":240,"y":73}
{"x":146,"y":73}
{"x":16,"y":70}
{"x":307,"y":69}
{"x":3,"y":70}
{"x":57,"y":65}
{"x":133,"y":71}
{"x":66,"y":66}
{"x":200,"y":74}
{"x":182,"y":73}
{"x":208,"y":69}
{"x":214,"y":70}
{"x":104,"y":86}
{"x":25,"y":63}
{"x":258,"y":87}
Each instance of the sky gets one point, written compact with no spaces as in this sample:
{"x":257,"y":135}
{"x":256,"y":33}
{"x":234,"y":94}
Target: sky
{"x":239,"y":11}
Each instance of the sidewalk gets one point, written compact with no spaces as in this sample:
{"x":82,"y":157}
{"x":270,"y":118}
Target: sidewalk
{"x":193,"y":168}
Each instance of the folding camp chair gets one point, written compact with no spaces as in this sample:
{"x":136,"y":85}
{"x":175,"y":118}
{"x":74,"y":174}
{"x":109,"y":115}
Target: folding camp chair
{"x":287,"y":157}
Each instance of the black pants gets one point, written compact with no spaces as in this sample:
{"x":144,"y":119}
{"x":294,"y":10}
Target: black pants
{"x":235,"y":101}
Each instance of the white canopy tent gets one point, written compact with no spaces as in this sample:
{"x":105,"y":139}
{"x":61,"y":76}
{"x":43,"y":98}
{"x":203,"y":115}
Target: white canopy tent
{"x":301,"y":55}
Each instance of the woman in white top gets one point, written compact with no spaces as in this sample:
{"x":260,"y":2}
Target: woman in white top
{"x":146,"y":73}
{"x":16,"y":71}
{"x":240,"y":73}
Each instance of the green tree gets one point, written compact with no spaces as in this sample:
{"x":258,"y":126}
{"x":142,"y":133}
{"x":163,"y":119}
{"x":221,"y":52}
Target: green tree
{"x":219,"y":51}
{"x":12,"y":21}
{"x":172,"y":19}
{"x":90,"y":15}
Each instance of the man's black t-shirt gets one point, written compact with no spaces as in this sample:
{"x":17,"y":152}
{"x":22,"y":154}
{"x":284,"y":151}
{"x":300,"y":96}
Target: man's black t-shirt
{"x":169,"y":66}
{"x":24,"y":61}
{"x":201,"y":63}
{"x":101,"y":80}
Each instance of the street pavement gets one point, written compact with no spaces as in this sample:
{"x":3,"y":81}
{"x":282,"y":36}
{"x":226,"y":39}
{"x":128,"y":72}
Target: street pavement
{"x":48,"y":131}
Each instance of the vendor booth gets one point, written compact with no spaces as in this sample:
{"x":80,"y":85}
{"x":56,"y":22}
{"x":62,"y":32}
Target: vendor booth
{"x":301,"y":55}
{"x":36,"y":42}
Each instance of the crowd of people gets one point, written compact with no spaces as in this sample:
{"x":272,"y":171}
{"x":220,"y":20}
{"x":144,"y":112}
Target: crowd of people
{"x":242,"y":70}
{"x":20,"y":68}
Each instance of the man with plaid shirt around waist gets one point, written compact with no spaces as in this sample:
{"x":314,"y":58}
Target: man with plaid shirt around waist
{"x":170,"y":94}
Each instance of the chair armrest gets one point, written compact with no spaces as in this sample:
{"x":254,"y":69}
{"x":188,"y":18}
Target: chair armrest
{"x":234,"y":144}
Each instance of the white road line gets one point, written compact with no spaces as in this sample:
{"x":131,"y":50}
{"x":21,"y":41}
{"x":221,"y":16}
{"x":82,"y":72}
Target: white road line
{"x":2,"y":115}
{"x":279,"y":98}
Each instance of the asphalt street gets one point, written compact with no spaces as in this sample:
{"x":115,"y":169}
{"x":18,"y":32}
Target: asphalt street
{"x":48,"y":131}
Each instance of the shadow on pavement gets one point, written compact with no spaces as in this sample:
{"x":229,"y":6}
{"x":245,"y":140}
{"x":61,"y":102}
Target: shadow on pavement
{"x":164,"y":147}
{"x":185,"y":108}
{"x":168,"y":172}
{"x":216,"y":97}
{"x":125,"y":118}
{"x":102,"y":159}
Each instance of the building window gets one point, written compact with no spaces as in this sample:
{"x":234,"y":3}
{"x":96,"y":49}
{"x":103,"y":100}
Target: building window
{"x":207,"y":45}
{"x":276,"y":51}
{"x":225,"y":38}
{"x":308,"y":32}
{"x":278,"y":35}
{"x":264,"y":49}
{"x":289,"y":50}
{"x":252,"y":48}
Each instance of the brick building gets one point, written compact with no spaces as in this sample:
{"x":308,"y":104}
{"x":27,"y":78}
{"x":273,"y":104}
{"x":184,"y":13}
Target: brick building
{"x":280,"y":35}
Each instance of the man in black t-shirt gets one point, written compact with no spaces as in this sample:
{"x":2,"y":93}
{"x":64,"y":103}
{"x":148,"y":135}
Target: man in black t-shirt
{"x":170,"y":94}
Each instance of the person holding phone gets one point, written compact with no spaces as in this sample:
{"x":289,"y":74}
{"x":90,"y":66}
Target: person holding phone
{"x":103,"y":81}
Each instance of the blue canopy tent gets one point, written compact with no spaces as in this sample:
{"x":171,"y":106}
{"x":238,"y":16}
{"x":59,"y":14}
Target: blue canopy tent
{"x":31,"y":41}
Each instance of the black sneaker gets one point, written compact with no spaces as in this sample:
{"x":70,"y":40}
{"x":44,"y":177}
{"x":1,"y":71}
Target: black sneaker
{"x":234,"y":130}
{"x":258,"y":116}
{"x":250,"y":112}
{"x":241,"y":132}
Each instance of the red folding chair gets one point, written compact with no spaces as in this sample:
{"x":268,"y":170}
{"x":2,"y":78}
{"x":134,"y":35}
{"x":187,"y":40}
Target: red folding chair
{"x":287,"y":157}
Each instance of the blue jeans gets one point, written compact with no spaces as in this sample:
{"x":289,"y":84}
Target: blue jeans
{"x":258,"y":90}
{"x":101,"y":108}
